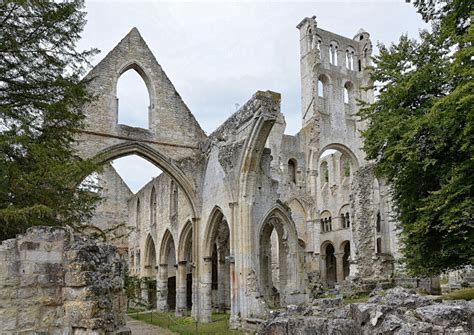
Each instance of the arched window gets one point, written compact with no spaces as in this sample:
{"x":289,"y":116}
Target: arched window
{"x":138,"y":217}
{"x":326,"y":222}
{"x":333,"y":48}
{"x":318,"y":42}
{"x":292,"y":165}
{"x":345,"y":165}
{"x":346,"y":95}
{"x":320,"y":88}
{"x":348,"y":92}
{"x":153,"y":206}
{"x":350,"y":53}
{"x":133,"y":100}
{"x":345,"y":217}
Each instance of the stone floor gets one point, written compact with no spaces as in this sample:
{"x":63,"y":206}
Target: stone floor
{"x":142,"y":328}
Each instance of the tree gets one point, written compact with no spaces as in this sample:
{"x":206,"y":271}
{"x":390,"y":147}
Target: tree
{"x":41,"y":99}
{"x":421,"y":135}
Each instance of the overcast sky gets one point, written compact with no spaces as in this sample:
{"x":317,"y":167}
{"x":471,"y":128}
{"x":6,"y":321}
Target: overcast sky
{"x":217,"y":54}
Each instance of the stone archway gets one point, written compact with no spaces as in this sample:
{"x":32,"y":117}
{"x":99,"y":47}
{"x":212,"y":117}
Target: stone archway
{"x":215,"y":276}
{"x":149,"y":287}
{"x":185,"y":274}
{"x":156,"y":158}
{"x":279,"y":252}
{"x":328,"y":264}
{"x":166,"y":278}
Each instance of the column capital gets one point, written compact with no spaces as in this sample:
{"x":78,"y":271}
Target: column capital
{"x":182,"y":262}
{"x":163,"y":264}
{"x":233,"y":204}
{"x":207,"y":259}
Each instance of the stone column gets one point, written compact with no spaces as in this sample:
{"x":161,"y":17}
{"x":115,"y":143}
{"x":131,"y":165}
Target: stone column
{"x":205,"y":314}
{"x":181,"y":304}
{"x":339,"y":267}
{"x":234,"y":321}
{"x":162,"y":288}
{"x":222,"y":277}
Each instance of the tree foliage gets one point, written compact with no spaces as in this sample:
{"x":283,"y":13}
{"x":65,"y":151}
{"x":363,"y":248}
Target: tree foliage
{"x":41,"y":100}
{"x":420,"y":133}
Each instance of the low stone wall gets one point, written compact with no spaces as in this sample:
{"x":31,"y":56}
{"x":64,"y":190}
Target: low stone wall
{"x":53,"y":281}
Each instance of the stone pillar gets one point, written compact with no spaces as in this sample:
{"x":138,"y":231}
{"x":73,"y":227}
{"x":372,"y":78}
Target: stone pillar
{"x":181,"y":304}
{"x":223,"y":280}
{"x":205,"y":314}
{"x":339,"y":267}
{"x":162,"y":288}
{"x":234,"y":321}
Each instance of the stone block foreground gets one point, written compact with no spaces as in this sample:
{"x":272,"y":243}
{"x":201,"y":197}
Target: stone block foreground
{"x":56,"y":282}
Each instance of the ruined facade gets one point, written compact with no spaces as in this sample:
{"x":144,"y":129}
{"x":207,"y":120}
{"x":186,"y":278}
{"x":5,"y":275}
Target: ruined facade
{"x":247,"y":218}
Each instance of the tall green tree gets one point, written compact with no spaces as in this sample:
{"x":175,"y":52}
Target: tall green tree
{"x":421,"y":135}
{"x":41,"y":100}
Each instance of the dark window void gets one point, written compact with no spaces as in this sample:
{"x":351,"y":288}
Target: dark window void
{"x":292,"y":171}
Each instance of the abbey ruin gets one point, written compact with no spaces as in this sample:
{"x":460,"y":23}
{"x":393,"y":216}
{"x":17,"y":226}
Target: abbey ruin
{"x":247,"y":218}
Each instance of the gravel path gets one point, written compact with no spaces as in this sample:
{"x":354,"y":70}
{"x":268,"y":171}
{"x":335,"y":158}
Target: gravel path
{"x":141,"y":328}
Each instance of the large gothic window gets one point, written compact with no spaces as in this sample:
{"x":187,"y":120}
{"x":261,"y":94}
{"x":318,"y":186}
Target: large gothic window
{"x":133,"y":100}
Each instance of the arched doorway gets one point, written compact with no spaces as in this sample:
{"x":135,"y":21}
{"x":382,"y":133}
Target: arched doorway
{"x":184,"y":278}
{"x":150,"y":272}
{"x":279,"y":269}
{"x":216,"y":267}
{"x":330,"y":265}
{"x":166,"y":282}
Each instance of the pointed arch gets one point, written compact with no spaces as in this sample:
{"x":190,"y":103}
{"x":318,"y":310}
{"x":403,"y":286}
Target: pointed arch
{"x":150,"y":252}
{"x":185,"y":238}
{"x":215,"y":220}
{"x":166,"y":242}
{"x":155,"y":157}
{"x":289,"y":260}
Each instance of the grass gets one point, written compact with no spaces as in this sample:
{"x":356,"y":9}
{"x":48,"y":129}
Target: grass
{"x":356,"y":299}
{"x":186,"y":325}
{"x":464,"y":293}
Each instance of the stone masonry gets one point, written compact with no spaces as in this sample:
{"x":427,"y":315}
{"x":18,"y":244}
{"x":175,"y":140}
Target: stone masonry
{"x":55,"y":282}
{"x":247,"y":218}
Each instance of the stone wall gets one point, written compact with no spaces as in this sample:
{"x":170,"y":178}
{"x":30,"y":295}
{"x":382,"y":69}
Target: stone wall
{"x":56,"y":282}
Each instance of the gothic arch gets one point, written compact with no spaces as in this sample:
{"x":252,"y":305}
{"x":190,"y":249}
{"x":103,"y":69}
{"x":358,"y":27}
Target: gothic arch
{"x":288,"y":256}
{"x":150,"y":252}
{"x":135,"y":65}
{"x":166,"y":242}
{"x":210,"y":235}
{"x":154,"y":157}
{"x":183,"y":242}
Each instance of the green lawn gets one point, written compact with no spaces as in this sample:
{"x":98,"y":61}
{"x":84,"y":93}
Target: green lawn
{"x":186,"y":325}
{"x":464,"y":293}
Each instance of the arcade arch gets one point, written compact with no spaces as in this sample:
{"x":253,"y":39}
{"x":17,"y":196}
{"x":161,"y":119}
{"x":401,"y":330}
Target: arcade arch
{"x":278,"y":250}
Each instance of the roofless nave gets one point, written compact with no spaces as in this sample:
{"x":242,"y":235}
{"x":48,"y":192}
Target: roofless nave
{"x":247,"y":218}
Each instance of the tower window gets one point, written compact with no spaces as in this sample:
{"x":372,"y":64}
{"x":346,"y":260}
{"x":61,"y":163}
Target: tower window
{"x":333,"y":53}
{"x":292,"y":171}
